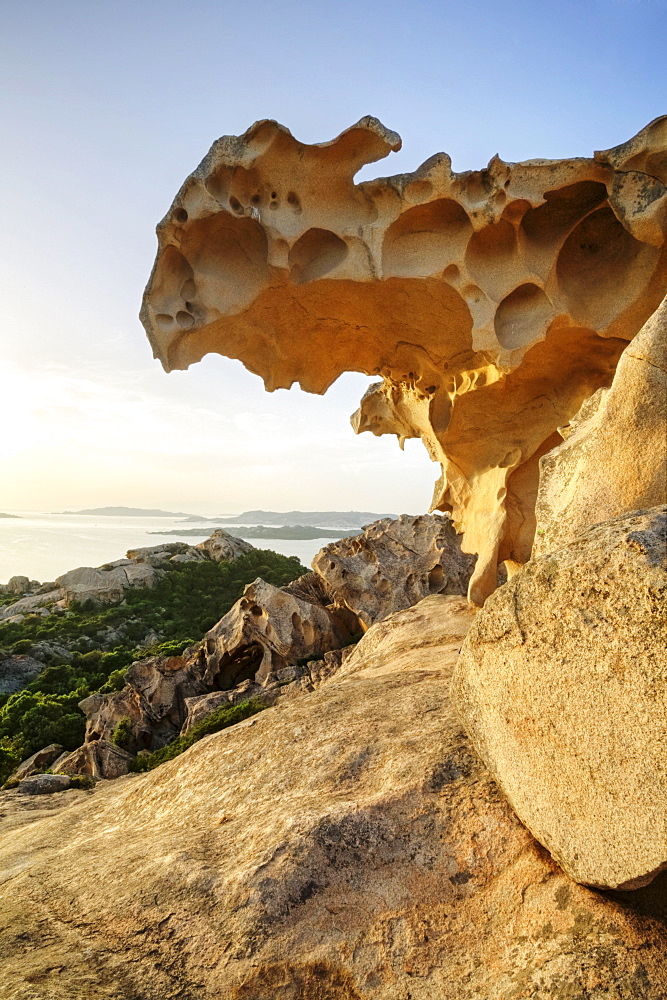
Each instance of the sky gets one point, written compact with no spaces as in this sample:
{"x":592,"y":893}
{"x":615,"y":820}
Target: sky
{"x":107,"y":105}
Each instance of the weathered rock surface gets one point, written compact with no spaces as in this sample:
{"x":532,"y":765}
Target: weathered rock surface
{"x":492,"y":303}
{"x":158,"y":555}
{"x":615,"y":460}
{"x":16,"y":585}
{"x":343,"y":846}
{"x":269,"y":629}
{"x":153,"y":701}
{"x":43,"y":784}
{"x":561,"y":686}
{"x":221,"y":545}
{"x":29,"y":605}
{"x":17,"y":671}
{"x":38,"y":761}
{"x":393,"y":564}
{"x":99,"y":759}
{"x":106,"y":586}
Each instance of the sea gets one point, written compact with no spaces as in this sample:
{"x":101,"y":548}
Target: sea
{"x":42,"y":545}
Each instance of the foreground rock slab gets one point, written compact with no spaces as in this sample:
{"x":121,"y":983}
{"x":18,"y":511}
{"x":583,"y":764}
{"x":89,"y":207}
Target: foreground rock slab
{"x":561,"y":686}
{"x":346,"y":845}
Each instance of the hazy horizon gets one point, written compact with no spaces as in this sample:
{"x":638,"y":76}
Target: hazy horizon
{"x":105,"y":110}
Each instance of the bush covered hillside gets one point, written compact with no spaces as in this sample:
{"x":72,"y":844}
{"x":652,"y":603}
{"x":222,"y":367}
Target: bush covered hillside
{"x":88,"y":648}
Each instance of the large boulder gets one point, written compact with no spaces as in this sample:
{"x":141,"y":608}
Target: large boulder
{"x":343,"y":846}
{"x":393,"y":564}
{"x":561,"y":686}
{"x":159,"y":555}
{"x":44,"y":784}
{"x":38,"y":761}
{"x":615,"y":459}
{"x":270,"y":628}
{"x":31,"y":604}
{"x":98,"y":759}
{"x":222,"y":546}
{"x":152,"y":704}
{"x":106,"y":586}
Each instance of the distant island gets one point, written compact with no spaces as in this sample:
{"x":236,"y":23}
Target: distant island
{"x":124,"y":512}
{"x":297,"y":518}
{"x":9,"y":515}
{"x":290,"y":531}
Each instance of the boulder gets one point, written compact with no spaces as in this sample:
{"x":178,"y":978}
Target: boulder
{"x":17,"y":585}
{"x":158,"y":555}
{"x":104,"y":586}
{"x":561,"y":687}
{"x":393,"y":564}
{"x":99,"y":759}
{"x":491,"y":302}
{"x":343,"y":846}
{"x":614,"y":459}
{"x":268,"y":629}
{"x":30,"y":605}
{"x":17,"y":671}
{"x":153,"y":702}
{"x":40,"y":760}
{"x":44,"y":784}
{"x":223,"y":546}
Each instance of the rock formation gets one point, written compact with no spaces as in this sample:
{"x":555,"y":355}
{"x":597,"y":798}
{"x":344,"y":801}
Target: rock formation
{"x":393,"y":564}
{"x":561,"y":686}
{"x":615,"y":458}
{"x":343,"y":846}
{"x":492,"y":303}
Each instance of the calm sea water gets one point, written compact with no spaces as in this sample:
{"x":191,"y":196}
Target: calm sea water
{"x":44,"y":545}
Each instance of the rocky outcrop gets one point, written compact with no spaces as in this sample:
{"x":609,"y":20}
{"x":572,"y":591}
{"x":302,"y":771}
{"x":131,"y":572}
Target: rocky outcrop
{"x":346,"y":846}
{"x":153,"y":702}
{"x":393,"y":564}
{"x":106,"y":586}
{"x":269,"y":629}
{"x":17,"y":671}
{"x":38,"y":761}
{"x":221,"y":545}
{"x":33,"y":603}
{"x":99,"y":759}
{"x":561,"y":686}
{"x":615,"y":458}
{"x":491,"y":303}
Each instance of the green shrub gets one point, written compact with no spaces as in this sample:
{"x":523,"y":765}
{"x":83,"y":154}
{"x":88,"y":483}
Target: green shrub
{"x":81,"y":781}
{"x":122,"y":734}
{"x":188,"y":600}
{"x":10,"y":783}
{"x":222,"y":718}
{"x":21,"y":647}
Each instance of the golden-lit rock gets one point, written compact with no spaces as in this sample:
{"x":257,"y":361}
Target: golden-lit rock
{"x":346,"y":845}
{"x":492,"y":303}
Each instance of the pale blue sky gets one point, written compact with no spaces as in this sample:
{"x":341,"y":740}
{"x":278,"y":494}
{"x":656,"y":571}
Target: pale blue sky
{"x":107,"y":105}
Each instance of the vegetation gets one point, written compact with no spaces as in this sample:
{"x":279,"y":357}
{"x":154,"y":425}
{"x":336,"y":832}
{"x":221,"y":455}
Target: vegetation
{"x":87,"y":649}
{"x":226,"y":716}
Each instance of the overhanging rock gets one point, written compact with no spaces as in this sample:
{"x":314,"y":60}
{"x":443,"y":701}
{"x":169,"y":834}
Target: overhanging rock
{"x":491,"y":303}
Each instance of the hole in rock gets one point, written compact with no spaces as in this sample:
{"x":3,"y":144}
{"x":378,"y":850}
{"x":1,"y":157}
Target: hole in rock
{"x":184,"y":319}
{"x":451,"y":273}
{"x":315,"y":254}
{"x":256,"y":610}
{"x":255,"y":199}
{"x":181,"y":215}
{"x":164,"y":320}
{"x":292,"y":198}
{"x":236,"y":205}
{"x":491,"y":248}
{"x":436,"y":579}
{"x":521,"y":316}
{"x":240,"y":665}
{"x":274,"y":195}
{"x":562,"y":209}
{"x":601,"y":266}
{"x":419,"y":242}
